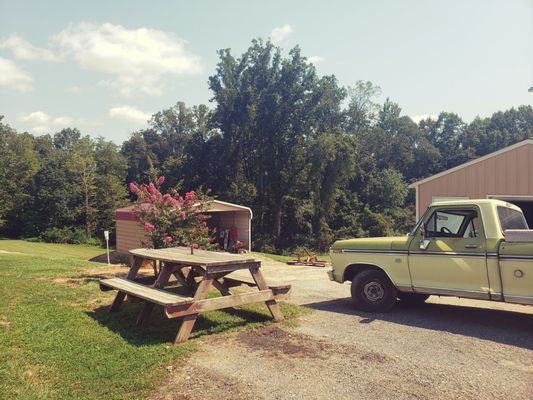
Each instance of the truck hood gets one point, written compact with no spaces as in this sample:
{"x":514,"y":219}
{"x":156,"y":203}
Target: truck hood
{"x":382,"y":243}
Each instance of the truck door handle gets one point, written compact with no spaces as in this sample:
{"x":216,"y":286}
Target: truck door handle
{"x":471,"y":246}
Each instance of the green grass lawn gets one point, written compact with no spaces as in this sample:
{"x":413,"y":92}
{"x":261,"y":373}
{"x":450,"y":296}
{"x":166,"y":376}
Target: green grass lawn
{"x":57,"y":340}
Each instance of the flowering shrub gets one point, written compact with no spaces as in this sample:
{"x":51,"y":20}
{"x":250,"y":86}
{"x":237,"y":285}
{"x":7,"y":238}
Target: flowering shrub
{"x":170,"y":220}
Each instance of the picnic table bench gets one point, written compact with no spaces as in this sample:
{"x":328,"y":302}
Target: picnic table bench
{"x":196,"y":273}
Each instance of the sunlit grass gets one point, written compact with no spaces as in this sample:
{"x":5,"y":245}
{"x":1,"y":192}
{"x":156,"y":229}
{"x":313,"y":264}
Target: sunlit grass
{"x":58,"y":340}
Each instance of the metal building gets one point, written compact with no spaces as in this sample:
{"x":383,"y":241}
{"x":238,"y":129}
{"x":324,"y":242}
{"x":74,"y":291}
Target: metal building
{"x":506,"y":174}
{"x":223,"y":216}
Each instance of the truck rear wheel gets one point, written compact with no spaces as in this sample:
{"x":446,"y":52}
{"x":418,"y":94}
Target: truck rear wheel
{"x":373,"y":291}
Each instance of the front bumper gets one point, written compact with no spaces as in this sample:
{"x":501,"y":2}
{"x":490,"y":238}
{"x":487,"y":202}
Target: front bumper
{"x":330,"y":275}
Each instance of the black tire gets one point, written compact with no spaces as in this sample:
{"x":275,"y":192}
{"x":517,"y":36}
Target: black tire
{"x":372,"y":291}
{"x":412,"y":299}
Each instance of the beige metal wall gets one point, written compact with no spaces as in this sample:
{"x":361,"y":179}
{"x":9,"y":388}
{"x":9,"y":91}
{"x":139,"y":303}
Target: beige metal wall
{"x":129,"y":235}
{"x":509,"y":173}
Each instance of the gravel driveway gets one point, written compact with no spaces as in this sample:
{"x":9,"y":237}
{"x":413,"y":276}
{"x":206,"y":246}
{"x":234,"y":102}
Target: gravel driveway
{"x":446,"y":349}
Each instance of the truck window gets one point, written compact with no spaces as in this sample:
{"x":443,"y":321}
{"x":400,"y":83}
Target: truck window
{"x":511,"y":219}
{"x":453,"y":223}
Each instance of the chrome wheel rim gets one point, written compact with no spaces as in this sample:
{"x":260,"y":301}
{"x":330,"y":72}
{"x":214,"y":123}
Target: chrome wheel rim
{"x":374,"y":291}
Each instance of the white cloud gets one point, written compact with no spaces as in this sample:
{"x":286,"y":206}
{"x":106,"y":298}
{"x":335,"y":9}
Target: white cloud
{"x":315,"y":59}
{"x":136,"y":59}
{"x":24,"y":50}
{"x":74,"y":89}
{"x":12,"y":77}
{"x":418,"y":118}
{"x":37,"y":117}
{"x":280,"y":34}
{"x":40,"y":122}
{"x":129,"y":113}
{"x":62,"y":121}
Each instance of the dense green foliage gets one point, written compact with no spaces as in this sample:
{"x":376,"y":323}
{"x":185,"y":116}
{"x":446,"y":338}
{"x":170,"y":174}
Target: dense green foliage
{"x":314,"y":160}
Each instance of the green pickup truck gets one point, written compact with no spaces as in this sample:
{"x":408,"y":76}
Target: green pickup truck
{"x":478,"y":249}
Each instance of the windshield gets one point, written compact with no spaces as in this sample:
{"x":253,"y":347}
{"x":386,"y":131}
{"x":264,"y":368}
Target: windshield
{"x":511,"y":219}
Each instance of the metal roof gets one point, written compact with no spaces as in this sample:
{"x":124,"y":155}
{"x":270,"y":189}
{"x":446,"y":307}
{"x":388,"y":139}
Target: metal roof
{"x":214,"y":206}
{"x":469,"y":163}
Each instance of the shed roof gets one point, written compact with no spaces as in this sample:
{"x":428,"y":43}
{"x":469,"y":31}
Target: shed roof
{"x":215,"y":206}
{"x":469,"y":163}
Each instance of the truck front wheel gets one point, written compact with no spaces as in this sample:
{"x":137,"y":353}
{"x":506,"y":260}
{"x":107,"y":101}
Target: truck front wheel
{"x":373,"y":291}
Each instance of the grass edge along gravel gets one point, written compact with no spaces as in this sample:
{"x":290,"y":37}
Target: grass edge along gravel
{"x":59,"y":341}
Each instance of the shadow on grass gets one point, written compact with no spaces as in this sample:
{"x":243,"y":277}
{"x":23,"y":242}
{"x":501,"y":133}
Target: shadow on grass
{"x":115,"y":258}
{"x":507,"y":327}
{"x":161,"y":329}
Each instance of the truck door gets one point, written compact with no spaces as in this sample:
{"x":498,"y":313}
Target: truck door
{"x":452,"y":261}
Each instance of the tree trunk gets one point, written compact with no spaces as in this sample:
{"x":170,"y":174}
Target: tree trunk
{"x":277,"y":222}
{"x":87,"y":211}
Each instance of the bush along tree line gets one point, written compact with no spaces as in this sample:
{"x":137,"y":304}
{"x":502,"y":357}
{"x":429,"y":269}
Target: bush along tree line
{"x":314,"y":160}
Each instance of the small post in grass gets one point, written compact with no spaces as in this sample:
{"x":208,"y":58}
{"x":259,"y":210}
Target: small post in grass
{"x":106,"y":236}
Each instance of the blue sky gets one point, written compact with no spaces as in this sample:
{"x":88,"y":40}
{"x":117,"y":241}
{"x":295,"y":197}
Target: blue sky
{"x":105,"y":67}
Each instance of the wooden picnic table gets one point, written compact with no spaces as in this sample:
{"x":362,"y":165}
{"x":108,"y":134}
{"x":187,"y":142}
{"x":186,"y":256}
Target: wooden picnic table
{"x":196,"y":273}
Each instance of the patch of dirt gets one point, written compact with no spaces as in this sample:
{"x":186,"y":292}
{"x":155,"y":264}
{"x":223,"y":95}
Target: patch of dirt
{"x":5,"y":318}
{"x":10,"y":252}
{"x":105,"y":272}
{"x":97,"y":273}
{"x":375,"y":357}
{"x":272,"y":341}
{"x":192,"y":383}
{"x":115,"y":257}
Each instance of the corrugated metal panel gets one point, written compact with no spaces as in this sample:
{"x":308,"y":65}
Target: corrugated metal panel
{"x":507,"y":173}
{"x":129,"y":235}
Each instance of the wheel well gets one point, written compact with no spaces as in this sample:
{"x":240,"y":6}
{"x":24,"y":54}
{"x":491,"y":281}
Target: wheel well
{"x":352,"y":270}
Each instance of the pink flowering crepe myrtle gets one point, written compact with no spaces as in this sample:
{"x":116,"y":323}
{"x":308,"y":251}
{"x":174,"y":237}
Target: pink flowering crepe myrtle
{"x":168,"y":219}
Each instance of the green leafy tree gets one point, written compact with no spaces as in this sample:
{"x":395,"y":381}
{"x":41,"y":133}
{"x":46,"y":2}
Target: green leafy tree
{"x":82,"y":166}
{"x":19,"y":163}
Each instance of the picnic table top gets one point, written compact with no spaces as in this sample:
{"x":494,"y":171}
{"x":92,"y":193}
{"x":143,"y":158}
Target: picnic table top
{"x":182,"y":255}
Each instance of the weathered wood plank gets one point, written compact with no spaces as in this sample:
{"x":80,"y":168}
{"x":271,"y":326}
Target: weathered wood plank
{"x":119,"y":298}
{"x":189,"y":320}
{"x":223,"y":289}
{"x":157,"y":296}
{"x":273,"y":307}
{"x":241,"y":280}
{"x":213,"y":269}
{"x":160,"y":283}
{"x":218,"y":303}
{"x":200,"y":257}
{"x":185,"y":328}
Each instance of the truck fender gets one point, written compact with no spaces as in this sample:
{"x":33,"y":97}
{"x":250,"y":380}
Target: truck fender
{"x":353,"y":269}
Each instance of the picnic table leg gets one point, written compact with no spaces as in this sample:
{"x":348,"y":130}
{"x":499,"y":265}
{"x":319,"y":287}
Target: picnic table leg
{"x":160,"y":283}
{"x":119,"y":298}
{"x":189,"y":320}
{"x":273,"y":307}
{"x":223,"y":289}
